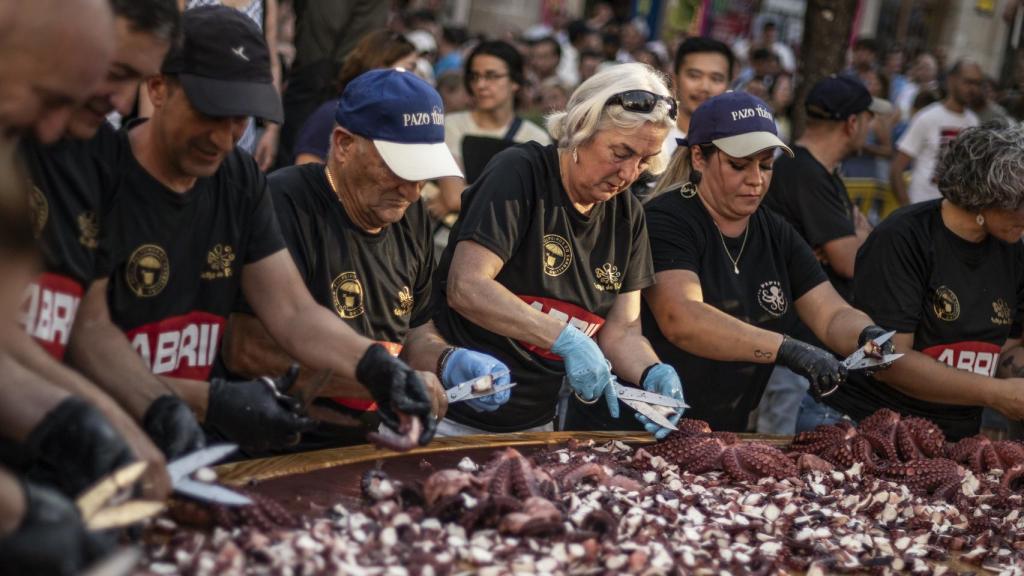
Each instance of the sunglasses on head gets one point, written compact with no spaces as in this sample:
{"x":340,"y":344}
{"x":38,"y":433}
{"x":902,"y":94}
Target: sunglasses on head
{"x":643,"y":101}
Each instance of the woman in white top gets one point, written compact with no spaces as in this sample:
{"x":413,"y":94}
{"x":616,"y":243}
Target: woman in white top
{"x":493,"y":76}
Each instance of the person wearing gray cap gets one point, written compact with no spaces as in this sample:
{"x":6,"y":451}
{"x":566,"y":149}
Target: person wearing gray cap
{"x":192,"y":227}
{"x":733,"y":279}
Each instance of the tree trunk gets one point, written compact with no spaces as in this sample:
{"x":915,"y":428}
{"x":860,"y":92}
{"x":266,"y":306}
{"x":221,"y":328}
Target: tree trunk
{"x":827,"y":27}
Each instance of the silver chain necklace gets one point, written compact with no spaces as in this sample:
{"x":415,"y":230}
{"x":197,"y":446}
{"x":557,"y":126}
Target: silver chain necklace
{"x":735,"y":261}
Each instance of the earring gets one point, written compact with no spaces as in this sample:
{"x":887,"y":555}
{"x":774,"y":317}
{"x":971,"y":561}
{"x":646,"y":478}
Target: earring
{"x":575,"y":156}
{"x":980,"y":220}
{"x":689,"y":190}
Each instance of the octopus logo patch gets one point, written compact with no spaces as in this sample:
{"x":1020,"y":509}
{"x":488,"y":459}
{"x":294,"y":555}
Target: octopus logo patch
{"x":1002,"y":316}
{"x":772,"y":299}
{"x":347,"y":294}
{"x":609,"y":279}
{"x":88,"y":230}
{"x":148,"y":271}
{"x":405,"y":302}
{"x":557,"y":255}
{"x":946,"y":304}
{"x":39,"y":209}
{"x":219,"y":259}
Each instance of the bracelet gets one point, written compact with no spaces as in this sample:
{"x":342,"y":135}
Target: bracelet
{"x":643,"y":377}
{"x":580,"y":398}
{"x":442,"y":360}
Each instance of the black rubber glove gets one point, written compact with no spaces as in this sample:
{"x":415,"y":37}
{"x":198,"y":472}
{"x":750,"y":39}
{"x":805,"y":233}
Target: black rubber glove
{"x":51,"y":539}
{"x":396,"y":388}
{"x":820,"y":367}
{"x":172,"y":426}
{"x":256,"y":413}
{"x":870,"y":332}
{"x":73,"y":447}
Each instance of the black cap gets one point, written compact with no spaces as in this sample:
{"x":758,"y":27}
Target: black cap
{"x":223,"y":64}
{"x":840,"y":96}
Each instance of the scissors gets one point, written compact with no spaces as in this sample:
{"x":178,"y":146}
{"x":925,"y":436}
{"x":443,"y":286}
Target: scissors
{"x":862,"y":360}
{"x":478,"y":387}
{"x":867,"y":357}
{"x":180,"y":470}
{"x":644,"y":402}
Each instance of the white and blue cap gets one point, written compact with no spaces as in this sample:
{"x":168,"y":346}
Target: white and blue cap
{"x":404,"y":117}
{"x":737,"y":123}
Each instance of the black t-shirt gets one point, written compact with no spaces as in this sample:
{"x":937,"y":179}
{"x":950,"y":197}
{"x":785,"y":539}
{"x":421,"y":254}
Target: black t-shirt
{"x":776,"y":268}
{"x":960,"y":300}
{"x":178,"y":258}
{"x":68,"y":179}
{"x":557,"y":260}
{"x":815,"y":202}
{"x":379,"y":284}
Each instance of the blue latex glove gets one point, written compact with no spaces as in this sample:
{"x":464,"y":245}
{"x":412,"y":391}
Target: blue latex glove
{"x":586,"y":368}
{"x":465,"y":364}
{"x":662,"y":379}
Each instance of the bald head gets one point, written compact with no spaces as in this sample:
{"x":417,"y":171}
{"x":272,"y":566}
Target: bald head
{"x":55,"y":53}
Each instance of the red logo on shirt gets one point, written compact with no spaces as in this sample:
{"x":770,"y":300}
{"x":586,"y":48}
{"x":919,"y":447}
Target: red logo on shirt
{"x":181,"y":346}
{"x":588,"y":322}
{"x":48,"y":313}
{"x":978,"y":357}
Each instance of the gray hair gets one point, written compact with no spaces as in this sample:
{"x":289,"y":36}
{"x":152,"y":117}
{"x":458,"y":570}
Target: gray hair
{"x":586,"y":113}
{"x":983,"y":168}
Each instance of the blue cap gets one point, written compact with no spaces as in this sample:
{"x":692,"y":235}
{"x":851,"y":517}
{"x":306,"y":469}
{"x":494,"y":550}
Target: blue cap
{"x":404,"y":117}
{"x":738,"y":123}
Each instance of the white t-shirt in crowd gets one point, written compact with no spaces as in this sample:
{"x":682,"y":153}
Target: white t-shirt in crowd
{"x":669,"y":145}
{"x":932,"y":127}
{"x":458,"y":125}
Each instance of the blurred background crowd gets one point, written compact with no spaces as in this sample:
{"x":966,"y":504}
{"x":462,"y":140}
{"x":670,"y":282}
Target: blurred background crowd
{"x":533,"y":53}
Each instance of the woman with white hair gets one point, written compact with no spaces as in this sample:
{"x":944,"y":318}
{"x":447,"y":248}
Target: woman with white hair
{"x":948,"y":276}
{"x":733,"y":278}
{"x":546,"y":263}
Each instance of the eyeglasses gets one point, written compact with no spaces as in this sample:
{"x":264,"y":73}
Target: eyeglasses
{"x":488,"y":76}
{"x":643,"y":101}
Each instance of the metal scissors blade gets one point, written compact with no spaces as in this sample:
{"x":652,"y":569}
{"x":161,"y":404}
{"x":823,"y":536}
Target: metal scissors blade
{"x":182,"y":467}
{"x":465,"y":390}
{"x":651,"y":413}
{"x":860,"y":360}
{"x":866,"y":363}
{"x":640,"y":395}
{"x":212,"y":493}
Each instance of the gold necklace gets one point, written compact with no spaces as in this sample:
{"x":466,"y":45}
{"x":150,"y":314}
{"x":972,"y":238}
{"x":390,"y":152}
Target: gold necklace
{"x":735,"y":261}
{"x":330,"y":180}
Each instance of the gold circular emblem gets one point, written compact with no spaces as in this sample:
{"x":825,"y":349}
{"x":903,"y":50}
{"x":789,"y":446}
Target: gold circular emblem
{"x":347,"y":293}
{"x":557,"y":255}
{"x":946,"y":305}
{"x":39,"y":209}
{"x":148,"y":270}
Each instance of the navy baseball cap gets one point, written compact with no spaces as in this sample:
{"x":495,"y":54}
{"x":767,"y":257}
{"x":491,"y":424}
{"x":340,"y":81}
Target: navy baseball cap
{"x":223,"y":64}
{"x":737,"y":123}
{"x":404,"y":117}
{"x":840,"y":96}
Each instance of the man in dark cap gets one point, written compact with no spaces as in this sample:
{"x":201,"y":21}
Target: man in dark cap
{"x":192,"y":227}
